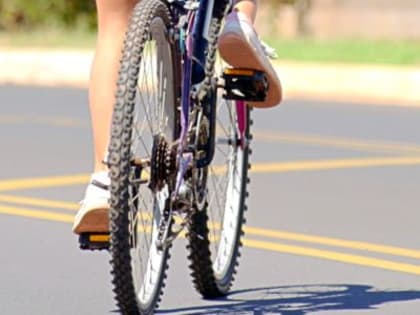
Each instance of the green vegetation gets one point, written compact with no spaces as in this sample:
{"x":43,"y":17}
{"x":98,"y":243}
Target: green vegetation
{"x":24,"y":14}
{"x":48,"y":39}
{"x":71,"y":23}
{"x":302,"y":50}
{"x":349,"y":51}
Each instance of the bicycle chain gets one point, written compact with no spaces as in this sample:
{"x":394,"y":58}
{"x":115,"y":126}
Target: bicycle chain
{"x":164,"y":228}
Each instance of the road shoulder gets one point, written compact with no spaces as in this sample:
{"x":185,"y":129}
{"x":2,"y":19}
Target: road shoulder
{"x":387,"y":85}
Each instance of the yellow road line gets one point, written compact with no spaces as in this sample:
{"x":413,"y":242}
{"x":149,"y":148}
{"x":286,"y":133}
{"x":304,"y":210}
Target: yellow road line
{"x":39,"y":202}
{"x":275,"y":247}
{"x":262,"y":135}
{"x":58,"y":121}
{"x":37,"y":214}
{"x":322,"y":165}
{"x":258,"y":168}
{"x":341,"y":143}
{"x":391,"y":250}
{"x":334,"y":256}
{"x":299,"y":237}
{"x":320,"y":240}
{"x":43,"y":182}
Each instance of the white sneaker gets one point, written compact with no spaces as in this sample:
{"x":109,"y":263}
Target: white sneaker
{"x":240,"y":47}
{"x":93,"y":215}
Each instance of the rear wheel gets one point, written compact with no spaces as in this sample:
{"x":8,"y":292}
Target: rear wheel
{"x":143,"y":127}
{"x":215,"y":230}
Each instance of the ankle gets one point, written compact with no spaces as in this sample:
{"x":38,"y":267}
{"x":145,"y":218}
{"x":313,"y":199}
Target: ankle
{"x":248,"y":8}
{"x":100,"y":166}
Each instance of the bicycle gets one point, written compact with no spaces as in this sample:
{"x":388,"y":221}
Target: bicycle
{"x":178,"y":155}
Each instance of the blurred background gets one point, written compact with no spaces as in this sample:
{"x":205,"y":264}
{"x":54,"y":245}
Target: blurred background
{"x":372,"y":19}
{"x":334,"y":191}
{"x":374,"y":31}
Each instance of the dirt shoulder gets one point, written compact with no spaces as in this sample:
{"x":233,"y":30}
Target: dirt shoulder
{"x":387,"y":85}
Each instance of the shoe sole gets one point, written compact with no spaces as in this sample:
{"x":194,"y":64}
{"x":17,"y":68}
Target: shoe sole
{"x":95,"y":221}
{"x":240,"y":55}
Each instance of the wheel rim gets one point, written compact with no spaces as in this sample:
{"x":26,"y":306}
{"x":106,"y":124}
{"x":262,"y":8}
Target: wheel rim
{"x":225,"y":190}
{"x":154,"y":115}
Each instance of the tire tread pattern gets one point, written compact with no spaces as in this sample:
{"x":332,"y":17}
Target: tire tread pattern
{"x":119,"y":159}
{"x":198,"y":242}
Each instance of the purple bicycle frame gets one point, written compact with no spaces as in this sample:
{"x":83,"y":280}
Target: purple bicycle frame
{"x":185,"y":159}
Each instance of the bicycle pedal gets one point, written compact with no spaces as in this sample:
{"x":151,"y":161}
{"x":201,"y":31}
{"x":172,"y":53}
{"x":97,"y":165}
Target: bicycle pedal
{"x":94,"y":241}
{"x":245,"y":85}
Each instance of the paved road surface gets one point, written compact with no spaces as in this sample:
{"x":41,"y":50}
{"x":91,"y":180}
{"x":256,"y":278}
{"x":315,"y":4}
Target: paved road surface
{"x":333,"y":226}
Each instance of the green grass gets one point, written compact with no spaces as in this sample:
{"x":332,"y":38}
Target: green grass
{"x":349,"y":51}
{"x":48,"y":39}
{"x":302,"y":50}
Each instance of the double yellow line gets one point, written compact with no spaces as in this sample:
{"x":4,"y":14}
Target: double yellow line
{"x":257,"y":168}
{"x":256,"y":238}
{"x":380,"y":147}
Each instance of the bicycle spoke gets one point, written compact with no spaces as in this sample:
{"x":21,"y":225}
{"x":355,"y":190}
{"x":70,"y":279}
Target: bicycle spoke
{"x":214,"y":266}
{"x":153,"y":112}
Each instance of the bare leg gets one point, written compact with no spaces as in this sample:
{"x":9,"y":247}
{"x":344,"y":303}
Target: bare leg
{"x":113,"y":16}
{"x":247,"y":7}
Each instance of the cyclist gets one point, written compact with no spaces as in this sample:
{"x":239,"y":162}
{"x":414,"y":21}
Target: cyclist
{"x":239,"y":46}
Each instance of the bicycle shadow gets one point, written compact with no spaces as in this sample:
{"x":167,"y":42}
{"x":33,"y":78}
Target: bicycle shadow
{"x":300,"y":300}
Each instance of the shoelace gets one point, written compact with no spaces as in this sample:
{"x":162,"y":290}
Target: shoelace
{"x":97,"y":184}
{"x":269,"y":51}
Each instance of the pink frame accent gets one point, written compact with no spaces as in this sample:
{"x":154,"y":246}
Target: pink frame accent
{"x":242,"y":121}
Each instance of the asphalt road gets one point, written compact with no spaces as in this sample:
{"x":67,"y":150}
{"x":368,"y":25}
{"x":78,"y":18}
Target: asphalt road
{"x":333,"y":226}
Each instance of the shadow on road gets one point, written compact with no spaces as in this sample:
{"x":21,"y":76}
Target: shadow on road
{"x":297,"y":300}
